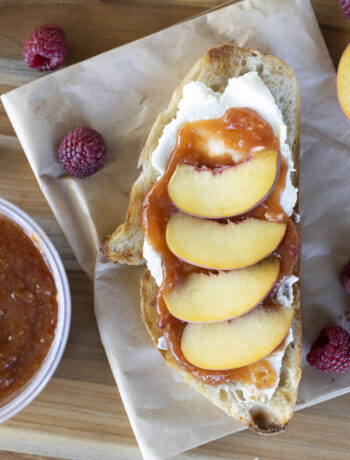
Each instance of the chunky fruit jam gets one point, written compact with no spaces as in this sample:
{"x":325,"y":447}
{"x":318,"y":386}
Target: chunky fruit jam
{"x":236,"y":133}
{"x":28,"y":308}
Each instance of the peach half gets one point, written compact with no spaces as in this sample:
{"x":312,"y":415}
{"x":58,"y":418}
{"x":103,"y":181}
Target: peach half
{"x":343,"y":82}
{"x":236,"y":343}
{"x":228,"y":246}
{"x":218,"y":297}
{"x":227,"y":191}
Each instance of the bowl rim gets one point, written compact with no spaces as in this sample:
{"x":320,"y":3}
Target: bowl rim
{"x":40,"y":379}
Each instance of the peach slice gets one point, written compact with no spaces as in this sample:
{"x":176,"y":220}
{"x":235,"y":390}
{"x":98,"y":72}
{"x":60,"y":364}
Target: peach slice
{"x":204,"y":298}
{"x":228,"y":246}
{"x":343,"y":82}
{"x":236,"y":343}
{"x":227,"y":191}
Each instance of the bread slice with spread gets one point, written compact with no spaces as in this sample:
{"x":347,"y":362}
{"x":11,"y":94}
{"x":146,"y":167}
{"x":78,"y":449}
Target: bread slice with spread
{"x":229,"y":90}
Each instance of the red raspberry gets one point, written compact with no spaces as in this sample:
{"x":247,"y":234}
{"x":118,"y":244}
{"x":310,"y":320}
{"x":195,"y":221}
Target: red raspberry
{"x":46,"y":48}
{"x":331,"y":351}
{"x":345,"y":277}
{"x":345,"y":7}
{"x":82,"y":152}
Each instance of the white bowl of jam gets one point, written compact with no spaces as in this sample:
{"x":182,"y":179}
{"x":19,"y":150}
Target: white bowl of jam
{"x":35,"y":309}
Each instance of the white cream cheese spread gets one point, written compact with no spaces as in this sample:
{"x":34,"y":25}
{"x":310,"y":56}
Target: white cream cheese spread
{"x":275,"y":361}
{"x":200,"y":102}
{"x":161,"y":343}
{"x":154,"y":262}
{"x":285,"y":293}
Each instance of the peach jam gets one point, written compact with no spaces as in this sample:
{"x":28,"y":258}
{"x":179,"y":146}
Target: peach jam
{"x":29,"y":308}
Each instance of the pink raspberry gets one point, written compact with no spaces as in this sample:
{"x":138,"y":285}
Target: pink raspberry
{"x":331,"y":351}
{"x":345,"y":277}
{"x":46,"y":48}
{"x":345,"y":7}
{"x":82,"y":152}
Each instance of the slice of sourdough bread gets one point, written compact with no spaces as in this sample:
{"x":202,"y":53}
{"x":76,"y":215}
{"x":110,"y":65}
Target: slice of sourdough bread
{"x":125,"y":245}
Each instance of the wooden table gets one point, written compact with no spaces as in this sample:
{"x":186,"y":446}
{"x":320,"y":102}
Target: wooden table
{"x":80,"y":414}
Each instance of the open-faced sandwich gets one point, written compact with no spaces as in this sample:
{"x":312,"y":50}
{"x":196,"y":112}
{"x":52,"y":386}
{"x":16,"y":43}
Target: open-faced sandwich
{"x":213,"y":214}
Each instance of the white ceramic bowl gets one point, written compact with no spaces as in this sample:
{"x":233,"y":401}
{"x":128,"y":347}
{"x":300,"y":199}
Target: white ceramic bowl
{"x":21,"y":398}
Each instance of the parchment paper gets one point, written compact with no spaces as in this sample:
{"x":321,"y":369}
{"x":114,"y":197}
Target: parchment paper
{"x":119,"y":93}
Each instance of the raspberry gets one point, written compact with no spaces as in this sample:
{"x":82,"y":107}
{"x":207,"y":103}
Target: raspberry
{"x":46,"y":48}
{"x":331,"y":351}
{"x":345,"y":7}
{"x":345,"y":277}
{"x":82,"y":152}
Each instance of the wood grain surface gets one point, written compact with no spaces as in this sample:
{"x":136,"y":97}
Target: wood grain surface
{"x":80,"y":415}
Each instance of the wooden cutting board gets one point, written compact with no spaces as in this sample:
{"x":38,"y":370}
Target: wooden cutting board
{"x":80,"y":415}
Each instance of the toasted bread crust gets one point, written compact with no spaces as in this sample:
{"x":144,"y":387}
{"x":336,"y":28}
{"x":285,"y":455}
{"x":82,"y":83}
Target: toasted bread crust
{"x":126,"y":243}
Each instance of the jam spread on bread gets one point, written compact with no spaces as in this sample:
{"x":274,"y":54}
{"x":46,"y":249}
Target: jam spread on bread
{"x":235,"y":137}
